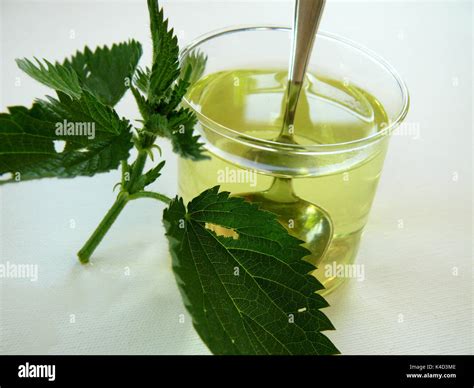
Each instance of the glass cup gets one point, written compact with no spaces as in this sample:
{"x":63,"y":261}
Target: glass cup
{"x":339,"y":177}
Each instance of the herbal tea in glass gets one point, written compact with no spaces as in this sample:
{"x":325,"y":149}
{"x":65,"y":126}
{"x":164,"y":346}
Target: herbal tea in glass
{"x":340,"y":131}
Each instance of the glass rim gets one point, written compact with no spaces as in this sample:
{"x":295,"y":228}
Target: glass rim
{"x":271,"y":145}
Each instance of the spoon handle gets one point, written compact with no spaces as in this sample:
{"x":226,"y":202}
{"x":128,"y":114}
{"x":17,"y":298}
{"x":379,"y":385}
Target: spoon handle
{"x":307,"y":16}
{"x":306,"y":21}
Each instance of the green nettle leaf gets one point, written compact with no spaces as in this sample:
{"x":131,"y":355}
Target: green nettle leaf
{"x":107,"y":72}
{"x":165,"y":86}
{"x":243,"y":279}
{"x":142,"y":103}
{"x":55,"y":76}
{"x":196,"y":61}
{"x":87,"y":109}
{"x":156,"y":124}
{"x":179,"y":90}
{"x":180,"y":130}
{"x":153,"y":174}
{"x":96,"y":139}
{"x":165,"y":68}
{"x":192,"y":69}
{"x":142,"y":79}
{"x":149,"y":177}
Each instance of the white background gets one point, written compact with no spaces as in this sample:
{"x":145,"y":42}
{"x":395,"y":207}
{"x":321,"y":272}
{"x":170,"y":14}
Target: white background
{"x":418,"y":237}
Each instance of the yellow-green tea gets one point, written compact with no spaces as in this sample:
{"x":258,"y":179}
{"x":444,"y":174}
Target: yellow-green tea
{"x":329,"y":112}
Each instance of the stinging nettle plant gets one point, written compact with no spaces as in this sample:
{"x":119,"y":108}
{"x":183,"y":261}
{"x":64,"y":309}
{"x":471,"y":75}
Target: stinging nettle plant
{"x":250,"y":293}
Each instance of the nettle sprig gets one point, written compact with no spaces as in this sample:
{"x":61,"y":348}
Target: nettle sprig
{"x":248,"y":291}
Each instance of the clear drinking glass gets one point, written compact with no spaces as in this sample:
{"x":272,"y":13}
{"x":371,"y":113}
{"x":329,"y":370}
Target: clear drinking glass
{"x":339,"y":176}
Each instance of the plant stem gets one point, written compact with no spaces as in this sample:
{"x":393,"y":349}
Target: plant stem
{"x":128,"y":193}
{"x":127,"y":187}
{"x":137,"y":170}
{"x":94,"y":240}
{"x":150,"y":194}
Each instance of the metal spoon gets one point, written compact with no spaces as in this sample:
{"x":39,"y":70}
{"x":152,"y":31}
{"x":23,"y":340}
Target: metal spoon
{"x":303,"y":219}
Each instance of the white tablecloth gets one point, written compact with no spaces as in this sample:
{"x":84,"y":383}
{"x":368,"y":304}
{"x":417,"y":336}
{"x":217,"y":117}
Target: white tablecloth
{"x":417,"y":295}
